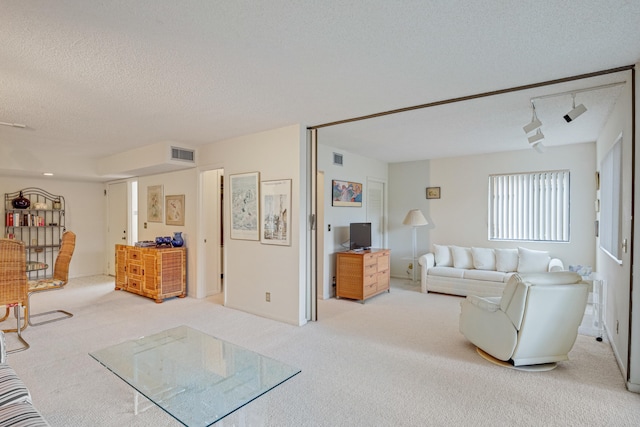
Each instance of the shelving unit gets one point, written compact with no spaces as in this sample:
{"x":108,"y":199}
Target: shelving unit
{"x":40,"y":226}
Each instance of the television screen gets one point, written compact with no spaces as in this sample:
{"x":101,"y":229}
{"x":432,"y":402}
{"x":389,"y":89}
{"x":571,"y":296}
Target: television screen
{"x":360,"y":235}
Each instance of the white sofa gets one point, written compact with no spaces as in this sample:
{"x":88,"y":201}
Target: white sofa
{"x":484,"y":272}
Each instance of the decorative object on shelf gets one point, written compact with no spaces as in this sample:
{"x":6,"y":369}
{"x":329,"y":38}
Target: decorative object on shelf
{"x":21,"y":202}
{"x":433,"y":192}
{"x":244,"y":206}
{"x":56,"y":204}
{"x":175,"y":210}
{"x":40,"y":206}
{"x":154,"y":203}
{"x":346,"y":193}
{"x":275,"y":211}
{"x":177,"y":240}
{"x":163,"y":241}
{"x":415,"y":219}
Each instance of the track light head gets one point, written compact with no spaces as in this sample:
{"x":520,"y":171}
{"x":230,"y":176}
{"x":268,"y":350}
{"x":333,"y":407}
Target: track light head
{"x":535,"y":123}
{"x":536,"y":137}
{"x":575,"y":112}
{"x":539,"y":147}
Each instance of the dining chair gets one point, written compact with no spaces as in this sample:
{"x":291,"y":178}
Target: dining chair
{"x":13,"y":283}
{"x":57,"y":281}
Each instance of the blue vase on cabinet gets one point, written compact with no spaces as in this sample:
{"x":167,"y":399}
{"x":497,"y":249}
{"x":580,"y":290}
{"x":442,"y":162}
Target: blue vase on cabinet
{"x":177,"y":241}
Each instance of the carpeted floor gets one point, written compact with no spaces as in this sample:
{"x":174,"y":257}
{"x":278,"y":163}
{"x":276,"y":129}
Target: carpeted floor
{"x":397,"y":360}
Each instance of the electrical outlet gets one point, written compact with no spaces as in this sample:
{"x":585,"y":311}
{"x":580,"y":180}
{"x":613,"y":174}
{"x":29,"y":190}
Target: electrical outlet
{"x":268,"y":297}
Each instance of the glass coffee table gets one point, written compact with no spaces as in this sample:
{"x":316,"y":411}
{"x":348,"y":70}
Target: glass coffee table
{"x":196,"y":378}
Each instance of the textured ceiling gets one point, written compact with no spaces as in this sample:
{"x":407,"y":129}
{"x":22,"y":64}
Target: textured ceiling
{"x":96,"y":78}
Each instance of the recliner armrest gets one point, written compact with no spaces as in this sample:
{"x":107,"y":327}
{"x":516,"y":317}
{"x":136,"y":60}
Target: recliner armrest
{"x":489,"y":304}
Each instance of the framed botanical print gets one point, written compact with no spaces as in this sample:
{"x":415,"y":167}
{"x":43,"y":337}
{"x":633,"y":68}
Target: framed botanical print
{"x":175,"y":210}
{"x":244,"y":194}
{"x":154,"y":203}
{"x":275,"y":212}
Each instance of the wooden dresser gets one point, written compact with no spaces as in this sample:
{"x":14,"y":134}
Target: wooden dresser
{"x":362,"y":274}
{"x":156,"y":273}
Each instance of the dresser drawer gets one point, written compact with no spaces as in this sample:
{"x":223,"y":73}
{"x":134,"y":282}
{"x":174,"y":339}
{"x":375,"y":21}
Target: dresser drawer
{"x":370,"y":279}
{"x":134,"y":284}
{"x":135,"y":269}
{"x":369,"y":289}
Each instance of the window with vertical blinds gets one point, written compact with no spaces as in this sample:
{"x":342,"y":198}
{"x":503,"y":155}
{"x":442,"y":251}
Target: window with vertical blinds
{"x":529,"y":206}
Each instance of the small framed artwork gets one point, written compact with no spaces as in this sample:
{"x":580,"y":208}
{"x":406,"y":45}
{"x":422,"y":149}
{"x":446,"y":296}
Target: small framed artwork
{"x":154,"y":203}
{"x":433,"y":192}
{"x":346,"y":193}
{"x":244,"y":194}
{"x":175,"y":210}
{"x":275,"y":212}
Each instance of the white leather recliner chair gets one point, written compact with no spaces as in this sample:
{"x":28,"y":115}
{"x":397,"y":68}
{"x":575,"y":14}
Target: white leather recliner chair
{"x":534,"y":322}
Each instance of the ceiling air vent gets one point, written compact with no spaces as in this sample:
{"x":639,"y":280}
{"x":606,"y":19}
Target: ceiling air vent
{"x":337,"y":159}
{"x":182,"y":154}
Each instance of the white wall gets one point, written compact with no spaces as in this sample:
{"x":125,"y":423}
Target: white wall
{"x":252,"y":269}
{"x":617,"y":277}
{"x":84,"y":215}
{"x":460,"y":216}
{"x":356,"y":169}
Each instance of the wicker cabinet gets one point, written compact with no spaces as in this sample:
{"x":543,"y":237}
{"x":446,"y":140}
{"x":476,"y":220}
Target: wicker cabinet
{"x":362,"y":274}
{"x":156,"y":273}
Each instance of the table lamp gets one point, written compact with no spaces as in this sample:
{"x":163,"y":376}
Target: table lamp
{"x":415,"y":219}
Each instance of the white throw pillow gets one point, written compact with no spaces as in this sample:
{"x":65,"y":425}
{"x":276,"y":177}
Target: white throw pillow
{"x":506,"y":260}
{"x":461,"y":257}
{"x":442,"y":255}
{"x":530,"y":261}
{"x":483,"y":258}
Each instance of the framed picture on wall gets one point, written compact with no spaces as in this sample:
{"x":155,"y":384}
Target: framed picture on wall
{"x":244,"y":193}
{"x":175,"y":210}
{"x":346,"y":193}
{"x":433,"y":192}
{"x":275,"y":212}
{"x":154,"y":203}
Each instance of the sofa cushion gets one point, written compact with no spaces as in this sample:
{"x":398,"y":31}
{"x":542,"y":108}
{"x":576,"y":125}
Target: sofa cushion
{"x":483,"y":258}
{"x":506,"y":260}
{"x":530,"y":261}
{"x":442,"y":256}
{"x":461,"y":257}
{"x":21,"y":414}
{"x":457,"y":273}
{"x":489,"y":276}
{"x":12,"y":389}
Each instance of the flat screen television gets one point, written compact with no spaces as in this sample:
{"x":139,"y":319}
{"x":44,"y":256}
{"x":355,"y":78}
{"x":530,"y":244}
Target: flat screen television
{"x":360,"y":235}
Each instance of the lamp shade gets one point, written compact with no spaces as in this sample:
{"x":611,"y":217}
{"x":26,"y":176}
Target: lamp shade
{"x":415,"y":218}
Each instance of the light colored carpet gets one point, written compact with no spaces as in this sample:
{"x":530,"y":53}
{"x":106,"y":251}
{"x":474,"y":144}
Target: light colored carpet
{"x":397,"y":360}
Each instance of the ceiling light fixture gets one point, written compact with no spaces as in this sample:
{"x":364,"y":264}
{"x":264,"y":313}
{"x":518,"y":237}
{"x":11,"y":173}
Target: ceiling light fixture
{"x":13,"y":125}
{"x":576,"y":111}
{"x":539,"y":147}
{"x":538,"y":136}
{"x":535,"y":123}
